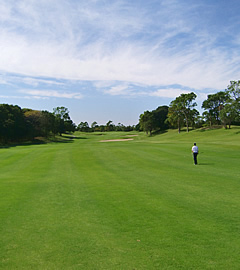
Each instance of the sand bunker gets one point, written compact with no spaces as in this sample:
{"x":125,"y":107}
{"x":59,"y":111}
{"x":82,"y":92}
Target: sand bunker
{"x":117,"y":140}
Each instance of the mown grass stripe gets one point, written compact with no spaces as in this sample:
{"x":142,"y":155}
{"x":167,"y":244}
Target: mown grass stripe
{"x":140,"y":204}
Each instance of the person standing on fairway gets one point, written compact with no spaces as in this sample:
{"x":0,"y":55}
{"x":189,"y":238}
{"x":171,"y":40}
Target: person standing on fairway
{"x":195,"y":153}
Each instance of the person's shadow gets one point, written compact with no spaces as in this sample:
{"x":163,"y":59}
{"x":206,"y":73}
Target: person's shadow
{"x":205,"y":164}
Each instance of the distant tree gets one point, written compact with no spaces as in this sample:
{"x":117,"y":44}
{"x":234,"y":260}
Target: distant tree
{"x":159,"y":118}
{"x":59,"y":126}
{"x":62,"y":113}
{"x":138,"y":127}
{"x":33,"y":120}
{"x":194,"y":119}
{"x":120,"y":127}
{"x":102,"y":128}
{"x":234,"y":90}
{"x":228,"y":114}
{"x":128,"y":128}
{"x":63,"y":121}
{"x":47,"y":122}
{"x":147,"y":122}
{"x":186,"y":102}
{"x":213,"y":105}
{"x":110,"y":126}
{"x":94,"y":125}
{"x":39,"y":123}
{"x":12,"y":123}
{"x":83,"y":126}
{"x":175,"y":116}
{"x":69,"y":126}
{"x":181,"y":110}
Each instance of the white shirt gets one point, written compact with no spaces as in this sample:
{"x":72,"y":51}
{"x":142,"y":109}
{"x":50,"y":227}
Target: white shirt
{"x":195,"y":149}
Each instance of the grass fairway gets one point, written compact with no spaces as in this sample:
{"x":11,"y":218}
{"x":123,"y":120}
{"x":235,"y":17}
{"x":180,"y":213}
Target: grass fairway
{"x":138,"y":204}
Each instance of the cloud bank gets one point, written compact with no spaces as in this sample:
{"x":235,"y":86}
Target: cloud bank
{"x":163,"y":43}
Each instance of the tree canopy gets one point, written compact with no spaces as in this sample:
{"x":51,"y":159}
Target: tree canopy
{"x":181,"y":110}
{"x":18,"y":124}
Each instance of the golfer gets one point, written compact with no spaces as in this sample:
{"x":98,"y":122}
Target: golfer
{"x":195,"y":153}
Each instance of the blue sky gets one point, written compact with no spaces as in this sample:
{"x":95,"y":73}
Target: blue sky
{"x":112,"y":60}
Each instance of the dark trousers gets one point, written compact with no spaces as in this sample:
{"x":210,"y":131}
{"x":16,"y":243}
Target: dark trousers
{"x":195,"y":158}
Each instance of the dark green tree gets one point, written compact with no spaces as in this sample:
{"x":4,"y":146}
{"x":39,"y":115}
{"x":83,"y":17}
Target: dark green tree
{"x":110,"y":126}
{"x":233,"y":91}
{"x":63,"y":121}
{"x":213,"y":105}
{"x":12,"y":123}
{"x":84,"y":127}
{"x":159,"y":118}
{"x":181,"y":110}
{"x":94,"y":126}
{"x":47,"y":122}
{"x":175,"y":116}
{"x":228,"y":114}
{"x":147,"y":122}
{"x":62,"y":113}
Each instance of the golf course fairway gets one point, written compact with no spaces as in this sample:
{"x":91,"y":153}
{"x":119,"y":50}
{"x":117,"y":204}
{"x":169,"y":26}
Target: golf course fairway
{"x":88,"y":203}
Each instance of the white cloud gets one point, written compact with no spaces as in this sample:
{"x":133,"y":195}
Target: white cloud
{"x":36,"y":82}
{"x":120,"y":90}
{"x":73,"y":40}
{"x":133,"y":63}
{"x":168,"y":93}
{"x":50,"y":93}
{"x":9,"y":97}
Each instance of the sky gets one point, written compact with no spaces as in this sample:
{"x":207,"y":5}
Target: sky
{"x":112,"y":60}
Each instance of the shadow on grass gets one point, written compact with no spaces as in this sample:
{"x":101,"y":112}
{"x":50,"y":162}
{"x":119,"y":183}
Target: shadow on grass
{"x":73,"y":137}
{"x":205,"y":164}
{"x":159,"y":132}
{"x":203,"y":129}
{"x":39,"y":141}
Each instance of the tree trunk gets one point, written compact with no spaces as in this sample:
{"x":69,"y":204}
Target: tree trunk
{"x":187,"y":124}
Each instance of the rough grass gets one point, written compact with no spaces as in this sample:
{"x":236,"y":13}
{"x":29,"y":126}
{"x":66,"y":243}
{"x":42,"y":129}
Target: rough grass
{"x":138,"y":204}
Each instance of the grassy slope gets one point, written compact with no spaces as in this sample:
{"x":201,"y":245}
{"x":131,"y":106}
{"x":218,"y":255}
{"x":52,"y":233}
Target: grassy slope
{"x":139,"y":204}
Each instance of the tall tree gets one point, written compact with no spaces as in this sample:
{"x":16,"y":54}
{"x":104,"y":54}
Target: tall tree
{"x":12,"y":123}
{"x":147,"y":122}
{"x":160,"y":116}
{"x":181,"y":109}
{"x":63,"y":121}
{"x":228,"y":114}
{"x":194,"y":118}
{"x":175,"y":116}
{"x":33,"y":120}
{"x":213,"y":105}
{"x":233,"y":91}
{"x":47,"y":123}
{"x":62,"y":113}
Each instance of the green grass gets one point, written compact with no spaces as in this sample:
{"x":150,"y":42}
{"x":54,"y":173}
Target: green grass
{"x":138,"y":204}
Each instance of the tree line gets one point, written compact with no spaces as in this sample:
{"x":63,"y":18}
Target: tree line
{"x":17,"y":124}
{"x":110,"y":126}
{"x":222,"y":108}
